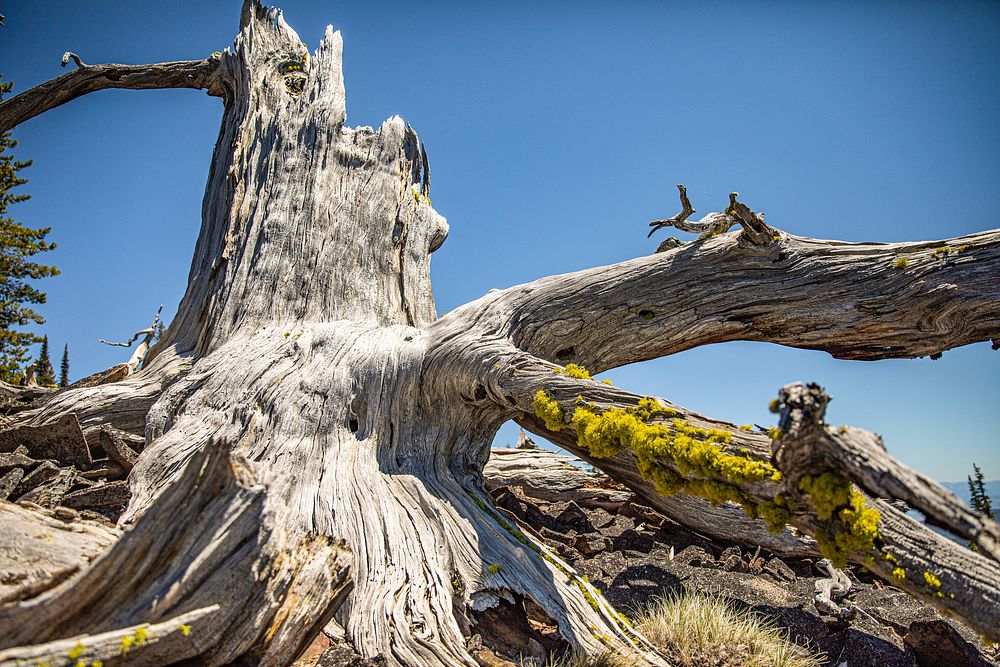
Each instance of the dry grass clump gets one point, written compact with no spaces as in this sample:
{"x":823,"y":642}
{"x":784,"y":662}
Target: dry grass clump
{"x":584,"y":660}
{"x":700,"y":630}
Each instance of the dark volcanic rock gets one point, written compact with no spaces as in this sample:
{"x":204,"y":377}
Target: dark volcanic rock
{"x":573,"y":516}
{"x":935,"y":642}
{"x":631,"y":540}
{"x":340,"y":655}
{"x":776,"y":570}
{"x":62,"y":440}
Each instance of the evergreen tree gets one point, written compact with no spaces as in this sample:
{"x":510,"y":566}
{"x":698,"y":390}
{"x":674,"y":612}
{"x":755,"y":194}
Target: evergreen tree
{"x":44,"y":372}
{"x":64,"y":367}
{"x":981,"y":501}
{"x":17,"y":244}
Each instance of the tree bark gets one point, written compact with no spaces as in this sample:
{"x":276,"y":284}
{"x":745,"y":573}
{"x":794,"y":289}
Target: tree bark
{"x":313,"y":427}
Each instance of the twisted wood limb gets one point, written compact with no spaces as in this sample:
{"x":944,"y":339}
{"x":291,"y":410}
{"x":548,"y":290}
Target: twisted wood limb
{"x":834,"y":587}
{"x":90,"y":78}
{"x":140,"y":352}
{"x":755,"y":230}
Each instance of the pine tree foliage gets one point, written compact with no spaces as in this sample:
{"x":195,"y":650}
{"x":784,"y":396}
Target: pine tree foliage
{"x":44,"y":372}
{"x":977,"y":488}
{"x":64,"y":367}
{"x":17,"y":245}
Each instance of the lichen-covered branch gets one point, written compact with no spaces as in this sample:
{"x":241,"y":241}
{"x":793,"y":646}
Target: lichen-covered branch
{"x":677,"y":451}
{"x":853,"y":300}
{"x":90,"y":78}
{"x":808,"y":442}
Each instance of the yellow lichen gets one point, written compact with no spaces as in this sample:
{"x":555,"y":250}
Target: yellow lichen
{"x":127,"y":642}
{"x":186,"y":630}
{"x":898,"y":573}
{"x":574,"y":371}
{"x":932,"y":581}
{"x":901,"y":263}
{"x":548,"y":410}
{"x":746,"y":427}
{"x":850,"y":526}
{"x":676,"y":457}
{"x":419,"y":197}
{"x":77,"y":651}
{"x":494,"y":568}
{"x":140,"y":636}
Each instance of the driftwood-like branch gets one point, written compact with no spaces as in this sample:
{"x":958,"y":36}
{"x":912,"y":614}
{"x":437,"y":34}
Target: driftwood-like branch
{"x":755,"y":230}
{"x":90,"y":78}
{"x":947,"y":574}
{"x":140,"y":352}
{"x":853,"y":300}
{"x":551,"y":477}
{"x":76,"y":59}
{"x":678,"y":220}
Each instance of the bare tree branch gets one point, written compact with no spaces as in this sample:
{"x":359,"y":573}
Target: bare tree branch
{"x":89,"y":78}
{"x":853,"y":300}
{"x":755,"y":230}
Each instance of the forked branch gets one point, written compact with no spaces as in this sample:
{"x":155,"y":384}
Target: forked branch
{"x":755,"y":229}
{"x":140,"y":352}
{"x":205,"y":74}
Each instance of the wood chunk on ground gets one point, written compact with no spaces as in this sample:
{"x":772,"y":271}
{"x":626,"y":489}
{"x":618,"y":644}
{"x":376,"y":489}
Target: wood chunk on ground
{"x":50,"y":493}
{"x":9,"y":482}
{"x":44,"y":472}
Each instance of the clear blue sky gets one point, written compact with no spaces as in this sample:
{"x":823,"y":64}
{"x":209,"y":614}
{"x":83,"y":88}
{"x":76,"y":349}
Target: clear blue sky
{"x":556,"y":131}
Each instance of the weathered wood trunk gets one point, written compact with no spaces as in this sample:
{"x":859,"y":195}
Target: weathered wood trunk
{"x":313,"y":428}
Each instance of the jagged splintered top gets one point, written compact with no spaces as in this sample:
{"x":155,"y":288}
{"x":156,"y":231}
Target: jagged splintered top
{"x":304,"y":219}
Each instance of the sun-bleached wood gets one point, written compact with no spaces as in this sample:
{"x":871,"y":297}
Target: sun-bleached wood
{"x":307,"y":360}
